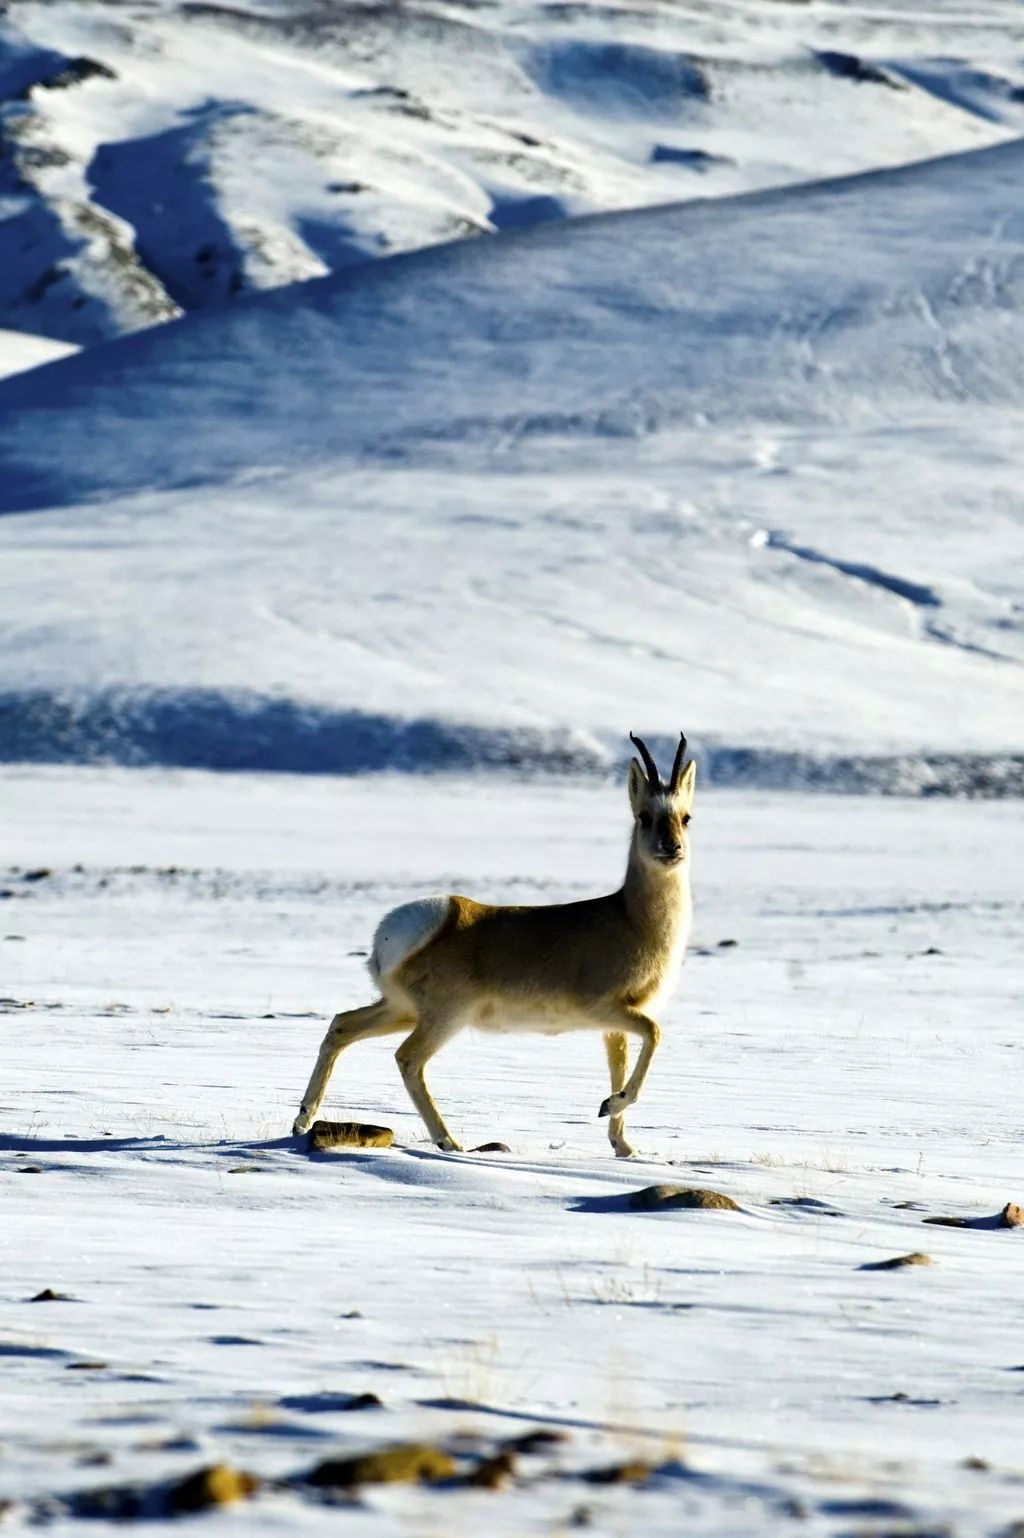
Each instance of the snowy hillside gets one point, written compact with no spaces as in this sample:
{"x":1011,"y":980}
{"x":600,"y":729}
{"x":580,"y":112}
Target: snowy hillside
{"x":748,"y":464}
{"x":161,"y":157}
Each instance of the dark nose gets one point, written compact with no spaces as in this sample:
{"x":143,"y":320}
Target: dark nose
{"x":670,"y":851}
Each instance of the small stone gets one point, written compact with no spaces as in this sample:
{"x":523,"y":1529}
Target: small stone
{"x":793,"y":1507}
{"x":214,"y":1486}
{"x":86,"y":1367}
{"x":328,"y":1403}
{"x":492,"y":1148}
{"x":536,"y":1441}
{"x":725,"y":945}
{"x":41,"y":874}
{"x":28,"y":1169}
{"x":898,"y":1262}
{"x":635,"y":1472}
{"x":492,"y":1473}
{"x":1011,"y":1216}
{"x":49,"y":1296}
{"x":979,"y":1465}
{"x":324,"y":1135}
{"x":947,"y":1222}
{"x":410,"y":1463}
{"x":655,"y":1198}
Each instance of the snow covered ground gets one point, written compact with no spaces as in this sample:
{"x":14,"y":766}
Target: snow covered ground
{"x":843,"y":1070}
{"x":19,"y":351}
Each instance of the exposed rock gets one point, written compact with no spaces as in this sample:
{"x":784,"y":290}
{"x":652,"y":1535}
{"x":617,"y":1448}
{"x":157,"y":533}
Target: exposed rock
{"x":492,"y":1148}
{"x":214,"y":1486}
{"x":492,"y":1473}
{"x":634,"y":1472}
{"x":72,"y":73}
{"x":1011,"y":1216}
{"x":329,"y":1404}
{"x":49,"y":1296}
{"x":806,"y":1204}
{"x":536,"y":1441}
{"x":847,"y":66}
{"x":409,"y":1463}
{"x":657,"y":1198}
{"x":324,"y":1135}
{"x":898,"y":1262}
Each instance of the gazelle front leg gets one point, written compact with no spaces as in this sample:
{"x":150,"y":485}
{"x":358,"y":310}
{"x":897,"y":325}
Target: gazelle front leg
{"x":380,"y":1019}
{"x":412,"y":1057}
{"x":616,"y":1046}
{"x":636,"y":1024}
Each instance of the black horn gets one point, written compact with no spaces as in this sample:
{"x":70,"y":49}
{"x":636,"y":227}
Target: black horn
{"x":653,"y":777}
{"x":677,"y":767}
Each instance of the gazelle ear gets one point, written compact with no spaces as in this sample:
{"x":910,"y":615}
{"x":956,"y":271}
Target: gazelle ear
{"x":687,"y":781}
{"x":637,"y":786}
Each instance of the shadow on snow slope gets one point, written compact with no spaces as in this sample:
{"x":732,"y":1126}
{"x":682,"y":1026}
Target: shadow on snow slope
{"x":212,"y":729}
{"x":857,"y":299}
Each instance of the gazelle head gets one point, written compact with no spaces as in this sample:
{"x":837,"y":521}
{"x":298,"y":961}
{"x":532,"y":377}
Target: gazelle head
{"x":661,"y":812}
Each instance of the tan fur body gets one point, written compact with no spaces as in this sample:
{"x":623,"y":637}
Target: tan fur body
{"x":541,"y":969}
{"x":605,"y":963}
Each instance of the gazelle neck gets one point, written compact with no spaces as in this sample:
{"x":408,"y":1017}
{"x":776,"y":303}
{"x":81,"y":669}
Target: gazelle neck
{"x":657,"y":897}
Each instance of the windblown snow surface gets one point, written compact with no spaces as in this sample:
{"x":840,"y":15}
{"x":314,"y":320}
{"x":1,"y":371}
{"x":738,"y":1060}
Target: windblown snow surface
{"x":715,"y":425}
{"x":843,"y":1059}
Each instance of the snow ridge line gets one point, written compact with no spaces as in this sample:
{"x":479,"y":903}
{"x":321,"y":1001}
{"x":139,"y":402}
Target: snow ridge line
{"x":237,"y":730}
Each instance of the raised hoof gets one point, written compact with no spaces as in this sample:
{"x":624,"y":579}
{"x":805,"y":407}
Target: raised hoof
{"x":615,"y":1105}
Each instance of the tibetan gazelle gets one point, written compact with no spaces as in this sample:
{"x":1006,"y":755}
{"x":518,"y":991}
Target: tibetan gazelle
{"x":604,"y":964}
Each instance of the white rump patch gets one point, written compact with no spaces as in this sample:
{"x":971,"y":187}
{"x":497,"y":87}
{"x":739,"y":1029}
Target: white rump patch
{"x":406,"y":930}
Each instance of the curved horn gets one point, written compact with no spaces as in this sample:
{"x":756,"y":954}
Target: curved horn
{"x":677,"y":767}
{"x":653,"y":777}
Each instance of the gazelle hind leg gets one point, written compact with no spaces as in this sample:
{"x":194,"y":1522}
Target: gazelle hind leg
{"x":617,"y":1047}
{"x":412,"y":1057}
{"x":380,"y":1019}
{"x":635,"y":1024}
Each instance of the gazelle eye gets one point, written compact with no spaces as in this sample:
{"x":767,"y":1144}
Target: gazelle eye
{"x":686,"y":819}
{"x":645,"y":820}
